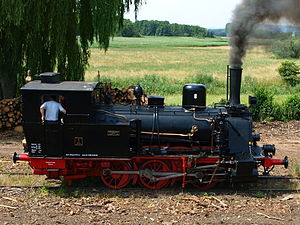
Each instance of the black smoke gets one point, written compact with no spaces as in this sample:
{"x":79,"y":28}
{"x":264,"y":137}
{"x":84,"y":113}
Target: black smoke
{"x":249,"y":14}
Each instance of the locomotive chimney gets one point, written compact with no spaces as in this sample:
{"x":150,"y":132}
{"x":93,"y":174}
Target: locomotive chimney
{"x":235,"y":86}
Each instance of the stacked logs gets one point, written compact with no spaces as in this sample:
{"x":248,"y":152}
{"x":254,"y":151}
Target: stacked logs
{"x":124,"y":96}
{"x":10,"y":113}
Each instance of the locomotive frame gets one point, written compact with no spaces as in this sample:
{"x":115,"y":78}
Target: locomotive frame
{"x":154,"y":145}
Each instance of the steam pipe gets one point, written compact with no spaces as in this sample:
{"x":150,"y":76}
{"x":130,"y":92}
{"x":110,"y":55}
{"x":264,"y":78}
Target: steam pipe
{"x":235,"y":86}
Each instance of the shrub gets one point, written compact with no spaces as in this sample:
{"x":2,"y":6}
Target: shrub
{"x":288,"y":48}
{"x":264,"y":108}
{"x":289,"y":72}
{"x":292,"y":108}
{"x":203,"y":79}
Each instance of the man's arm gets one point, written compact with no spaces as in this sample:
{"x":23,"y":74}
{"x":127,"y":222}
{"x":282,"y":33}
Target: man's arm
{"x":42,"y":110}
{"x":62,"y":109}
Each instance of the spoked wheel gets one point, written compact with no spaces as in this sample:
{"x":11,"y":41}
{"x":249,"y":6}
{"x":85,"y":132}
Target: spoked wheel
{"x":154,"y":166}
{"x":176,"y":165}
{"x":116,"y":181}
{"x":204,"y":186}
{"x":206,"y":182}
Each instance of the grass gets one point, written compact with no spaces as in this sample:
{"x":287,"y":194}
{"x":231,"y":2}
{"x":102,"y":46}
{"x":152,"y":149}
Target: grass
{"x":178,"y":60}
{"x":174,"y":100}
{"x":158,"y":42}
{"x":21,"y":180}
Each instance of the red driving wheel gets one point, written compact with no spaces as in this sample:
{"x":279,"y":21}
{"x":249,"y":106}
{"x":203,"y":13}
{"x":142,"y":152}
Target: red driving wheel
{"x":209,"y":180}
{"x":154,"y":166}
{"x":116,"y":181}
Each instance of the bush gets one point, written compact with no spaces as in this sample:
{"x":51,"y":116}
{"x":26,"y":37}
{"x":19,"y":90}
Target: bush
{"x":288,"y":48}
{"x":292,"y":108}
{"x":265,"y":106}
{"x":203,"y":79}
{"x":289,"y":72}
{"x":266,"y":109}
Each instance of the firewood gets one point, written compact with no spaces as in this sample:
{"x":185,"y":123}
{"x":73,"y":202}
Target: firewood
{"x":6,"y":109}
{"x":18,"y":129}
{"x":8,"y":124}
{"x":10,"y":114}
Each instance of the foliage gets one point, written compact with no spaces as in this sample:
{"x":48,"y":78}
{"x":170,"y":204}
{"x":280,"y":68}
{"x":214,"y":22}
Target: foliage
{"x":218,"y":32}
{"x":289,"y":72}
{"x":286,"y":48}
{"x":267,"y":109}
{"x":296,"y":169}
{"x":292,"y":108}
{"x":129,"y":30}
{"x":163,"y":85}
{"x":40,"y":36}
{"x":212,"y":84}
{"x":264,"y":108}
{"x":164,"y":28}
{"x":261,"y":194}
{"x":249,"y":84}
{"x":152,"y":84}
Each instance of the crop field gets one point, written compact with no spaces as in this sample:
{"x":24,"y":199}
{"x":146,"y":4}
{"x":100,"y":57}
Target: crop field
{"x":163,"y":64}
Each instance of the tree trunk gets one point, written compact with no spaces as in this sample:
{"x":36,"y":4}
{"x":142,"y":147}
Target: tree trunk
{"x":8,"y":83}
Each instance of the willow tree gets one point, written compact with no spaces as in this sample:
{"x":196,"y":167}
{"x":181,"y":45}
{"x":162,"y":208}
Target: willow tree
{"x":39,"y":36}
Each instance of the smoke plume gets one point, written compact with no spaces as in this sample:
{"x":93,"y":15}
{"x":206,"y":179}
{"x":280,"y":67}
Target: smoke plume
{"x":252,"y":12}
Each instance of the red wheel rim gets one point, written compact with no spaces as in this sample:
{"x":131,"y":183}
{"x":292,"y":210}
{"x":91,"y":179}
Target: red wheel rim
{"x":117,"y":181}
{"x":176,"y":167}
{"x":157,"y":166}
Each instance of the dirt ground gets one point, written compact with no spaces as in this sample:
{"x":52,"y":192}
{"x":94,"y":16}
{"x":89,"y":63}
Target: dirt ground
{"x":52,"y":203}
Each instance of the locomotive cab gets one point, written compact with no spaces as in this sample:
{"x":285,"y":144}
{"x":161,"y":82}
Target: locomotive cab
{"x":47,"y":139}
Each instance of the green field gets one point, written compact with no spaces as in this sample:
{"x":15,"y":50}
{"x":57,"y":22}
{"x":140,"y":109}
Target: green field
{"x":163,"y":64}
{"x":159,"y":42}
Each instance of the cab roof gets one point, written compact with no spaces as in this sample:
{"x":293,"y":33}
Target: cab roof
{"x":61,"y":86}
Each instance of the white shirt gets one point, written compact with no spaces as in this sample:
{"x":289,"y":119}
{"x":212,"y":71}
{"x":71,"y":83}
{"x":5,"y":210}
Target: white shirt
{"x":52,"y":109}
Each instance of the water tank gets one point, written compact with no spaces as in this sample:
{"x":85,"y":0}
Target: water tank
{"x":194,"y":96}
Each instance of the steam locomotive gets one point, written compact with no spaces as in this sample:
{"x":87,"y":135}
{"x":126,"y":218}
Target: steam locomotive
{"x":153,"y":145}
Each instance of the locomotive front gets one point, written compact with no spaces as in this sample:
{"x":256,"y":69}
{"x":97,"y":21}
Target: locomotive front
{"x":154,"y":145}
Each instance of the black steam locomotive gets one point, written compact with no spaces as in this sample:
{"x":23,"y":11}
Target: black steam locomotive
{"x":153,"y":145}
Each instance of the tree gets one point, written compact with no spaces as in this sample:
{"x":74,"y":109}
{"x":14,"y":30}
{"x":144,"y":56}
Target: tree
{"x":289,"y":72}
{"x":129,"y":30}
{"x":287,"y":48}
{"x":40,"y":36}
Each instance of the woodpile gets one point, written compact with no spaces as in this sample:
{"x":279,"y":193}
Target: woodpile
{"x":10,"y":113}
{"x":125,"y":96}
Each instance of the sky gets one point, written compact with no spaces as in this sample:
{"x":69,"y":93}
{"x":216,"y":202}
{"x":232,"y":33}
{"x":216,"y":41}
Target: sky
{"x":204,"y":13}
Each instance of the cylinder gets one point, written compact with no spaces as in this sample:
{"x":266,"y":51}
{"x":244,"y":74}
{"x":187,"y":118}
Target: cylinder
{"x":194,"y":96}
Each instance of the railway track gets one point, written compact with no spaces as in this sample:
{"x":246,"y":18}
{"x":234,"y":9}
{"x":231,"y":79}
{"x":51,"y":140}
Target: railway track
{"x":264,"y":178}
